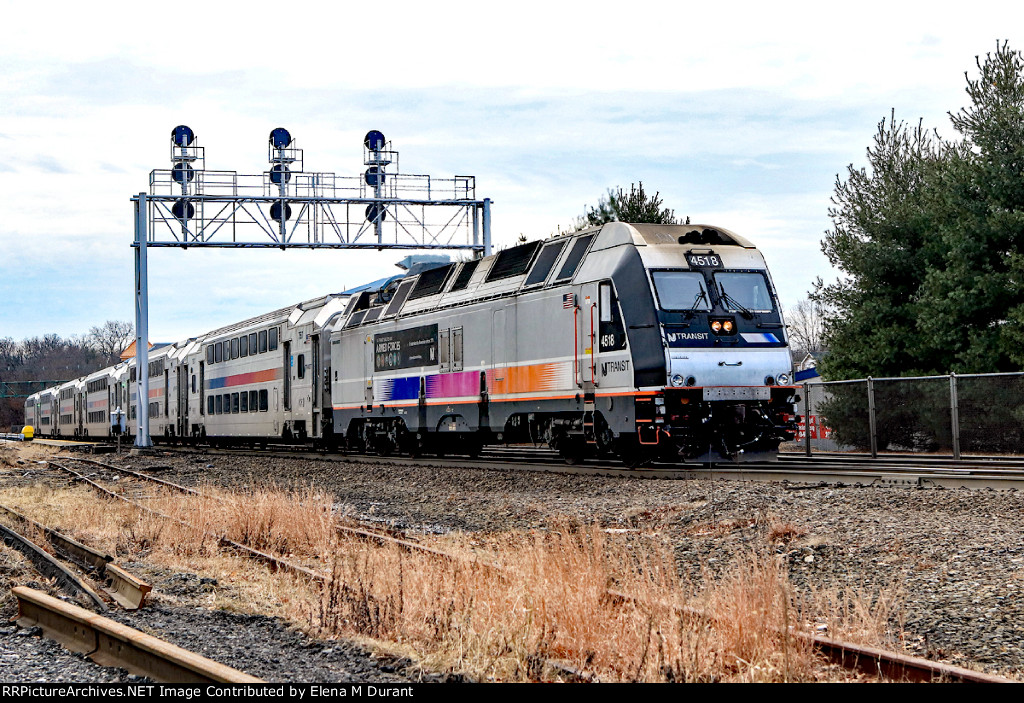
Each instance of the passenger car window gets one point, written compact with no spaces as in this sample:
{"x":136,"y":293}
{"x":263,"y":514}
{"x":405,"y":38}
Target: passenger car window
{"x":263,"y":341}
{"x":273,"y":338}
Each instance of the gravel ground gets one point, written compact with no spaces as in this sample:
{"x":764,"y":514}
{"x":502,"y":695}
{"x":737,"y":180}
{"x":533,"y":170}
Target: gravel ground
{"x":955,"y":557}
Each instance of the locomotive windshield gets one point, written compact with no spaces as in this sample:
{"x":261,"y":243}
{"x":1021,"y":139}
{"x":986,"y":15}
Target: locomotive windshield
{"x":744,"y":292}
{"x":681,"y":290}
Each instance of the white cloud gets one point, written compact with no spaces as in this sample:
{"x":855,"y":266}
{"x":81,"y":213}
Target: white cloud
{"x":739,"y":114}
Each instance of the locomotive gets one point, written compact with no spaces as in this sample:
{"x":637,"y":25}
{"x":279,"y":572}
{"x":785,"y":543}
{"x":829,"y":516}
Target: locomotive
{"x":638,"y":341}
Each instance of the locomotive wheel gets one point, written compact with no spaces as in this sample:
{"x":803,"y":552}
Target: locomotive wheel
{"x":633,"y":454}
{"x":571,"y":450}
{"x":472,"y":447}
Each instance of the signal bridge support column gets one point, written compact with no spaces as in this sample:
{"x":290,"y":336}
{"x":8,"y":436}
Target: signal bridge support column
{"x":142,"y":438}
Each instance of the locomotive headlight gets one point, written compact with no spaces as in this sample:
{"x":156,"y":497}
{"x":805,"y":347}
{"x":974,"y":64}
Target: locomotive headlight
{"x":783,"y":379}
{"x":727,"y":326}
{"x":716,"y":326}
{"x":677,"y":379}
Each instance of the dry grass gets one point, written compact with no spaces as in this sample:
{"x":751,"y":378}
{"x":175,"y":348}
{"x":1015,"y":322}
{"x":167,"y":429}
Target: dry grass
{"x":784,"y":532}
{"x":8,"y":454}
{"x":549,"y":600}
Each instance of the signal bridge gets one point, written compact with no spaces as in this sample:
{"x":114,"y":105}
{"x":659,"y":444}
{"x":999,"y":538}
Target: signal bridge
{"x":286,"y":207}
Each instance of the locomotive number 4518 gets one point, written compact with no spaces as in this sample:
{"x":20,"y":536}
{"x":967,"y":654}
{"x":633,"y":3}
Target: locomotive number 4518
{"x":703,"y":260}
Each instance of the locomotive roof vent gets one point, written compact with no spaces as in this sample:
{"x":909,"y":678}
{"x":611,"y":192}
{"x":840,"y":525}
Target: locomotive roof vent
{"x":708,"y":235}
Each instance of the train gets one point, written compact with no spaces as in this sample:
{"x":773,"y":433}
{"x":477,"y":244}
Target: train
{"x":643,"y":342}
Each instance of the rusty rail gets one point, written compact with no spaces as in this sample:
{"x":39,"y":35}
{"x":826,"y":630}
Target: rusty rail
{"x":869,"y":660}
{"x":126,"y":589}
{"x":110,"y":643}
{"x":50,"y":567}
{"x":274,"y":562}
{"x":75,"y":551}
{"x":361,"y":532}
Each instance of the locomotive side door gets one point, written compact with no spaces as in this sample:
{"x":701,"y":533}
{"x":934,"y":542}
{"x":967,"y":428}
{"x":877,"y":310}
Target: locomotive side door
{"x":368,"y":370}
{"x":585,"y":339}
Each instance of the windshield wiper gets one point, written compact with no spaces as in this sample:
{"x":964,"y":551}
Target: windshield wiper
{"x":729,"y":300}
{"x":703,"y":295}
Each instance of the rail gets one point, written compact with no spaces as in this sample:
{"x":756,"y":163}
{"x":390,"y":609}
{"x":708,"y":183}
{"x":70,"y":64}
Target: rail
{"x":110,"y":643}
{"x":126,"y":589}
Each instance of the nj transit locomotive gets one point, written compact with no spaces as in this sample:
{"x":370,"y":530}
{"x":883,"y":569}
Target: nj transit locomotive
{"x":639,"y":341}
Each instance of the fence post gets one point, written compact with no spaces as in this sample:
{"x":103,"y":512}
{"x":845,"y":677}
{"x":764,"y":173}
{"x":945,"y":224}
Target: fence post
{"x":807,"y":420}
{"x":954,"y":415}
{"x":871,"y":418}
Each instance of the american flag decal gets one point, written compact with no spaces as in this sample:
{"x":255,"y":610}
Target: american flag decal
{"x":568,"y":301}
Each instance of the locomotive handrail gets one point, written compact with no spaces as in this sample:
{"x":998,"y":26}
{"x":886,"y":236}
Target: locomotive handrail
{"x":593,"y":363}
{"x":577,"y":372}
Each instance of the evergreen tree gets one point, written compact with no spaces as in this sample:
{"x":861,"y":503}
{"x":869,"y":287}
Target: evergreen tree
{"x":930,"y":238}
{"x":880,"y":240}
{"x":974,"y":299}
{"x":634,"y":206}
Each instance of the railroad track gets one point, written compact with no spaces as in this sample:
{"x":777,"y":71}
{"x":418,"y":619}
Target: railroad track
{"x":110,"y":643}
{"x":838,"y":469}
{"x":870,"y":660}
{"x":106,"y":642}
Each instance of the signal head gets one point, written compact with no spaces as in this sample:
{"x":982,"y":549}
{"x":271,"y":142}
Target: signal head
{"x":374,"y":176}
{"x":280,"y":138}
{"x":280,"y":174}
{"x":182,"y":172}
{"x":275,"y":212}
{"x":182,"y":136}
{"x":374,"y":140}
{"x":183,"y":209}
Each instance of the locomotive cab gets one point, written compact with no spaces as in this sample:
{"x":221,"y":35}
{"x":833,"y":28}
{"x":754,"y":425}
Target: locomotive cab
{"x":727,"y":362}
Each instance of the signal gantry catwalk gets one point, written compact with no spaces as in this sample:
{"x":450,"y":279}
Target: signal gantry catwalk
{"x":287,"y":207}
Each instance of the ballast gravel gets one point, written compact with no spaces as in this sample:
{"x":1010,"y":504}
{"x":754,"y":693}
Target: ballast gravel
{"x":955,"y":558}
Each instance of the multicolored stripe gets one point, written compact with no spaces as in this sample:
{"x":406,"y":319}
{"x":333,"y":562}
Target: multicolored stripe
{"x":759,"y":338}
{"x":532,"y":378}
{"x":244,"y":379}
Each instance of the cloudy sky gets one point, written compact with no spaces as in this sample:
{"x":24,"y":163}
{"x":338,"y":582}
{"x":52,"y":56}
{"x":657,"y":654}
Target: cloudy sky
{"x":740,"y":115}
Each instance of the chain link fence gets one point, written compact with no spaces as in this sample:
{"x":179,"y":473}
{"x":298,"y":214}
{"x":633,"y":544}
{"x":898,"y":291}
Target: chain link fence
{"x":972,"y":414}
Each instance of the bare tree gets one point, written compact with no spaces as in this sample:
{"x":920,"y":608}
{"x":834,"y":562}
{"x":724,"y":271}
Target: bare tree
{"x":111,"y":338}
{"x":806,"y":327}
